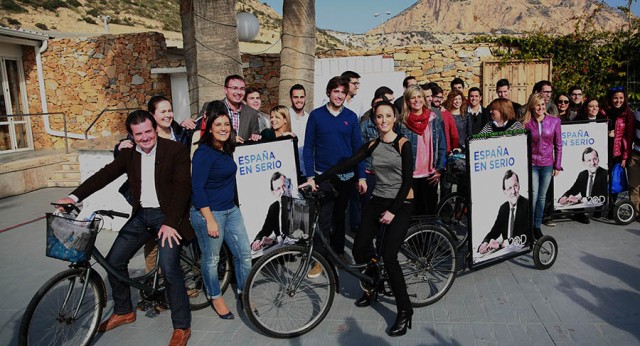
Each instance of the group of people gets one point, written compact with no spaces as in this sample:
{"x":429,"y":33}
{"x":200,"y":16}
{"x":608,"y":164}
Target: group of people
{"x":181,"y":177}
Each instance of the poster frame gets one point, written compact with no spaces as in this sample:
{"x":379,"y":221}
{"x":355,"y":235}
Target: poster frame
{"x":529,"y":232}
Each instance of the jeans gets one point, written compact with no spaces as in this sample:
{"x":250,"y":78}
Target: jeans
{"x":234,"y":234}
{"x":540,"y":180}
{"x":144,"y":225}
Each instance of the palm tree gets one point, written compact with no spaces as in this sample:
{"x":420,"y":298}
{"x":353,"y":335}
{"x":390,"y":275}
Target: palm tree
{"x":211,"y":49}
{"x":297,"y":57}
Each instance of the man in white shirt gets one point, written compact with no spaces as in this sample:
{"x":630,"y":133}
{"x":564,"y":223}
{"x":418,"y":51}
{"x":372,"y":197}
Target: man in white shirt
{"x":158,"y":171}
{"x":299,"y":117}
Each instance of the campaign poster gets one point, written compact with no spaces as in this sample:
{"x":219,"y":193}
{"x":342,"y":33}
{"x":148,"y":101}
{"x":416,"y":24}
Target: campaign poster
{"x":584,"y":181}
{"x":500,"y":193}
{"x":266,"y":175}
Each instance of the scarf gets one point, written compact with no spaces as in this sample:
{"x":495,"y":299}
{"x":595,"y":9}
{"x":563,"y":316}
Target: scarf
{"x":418,"y":123}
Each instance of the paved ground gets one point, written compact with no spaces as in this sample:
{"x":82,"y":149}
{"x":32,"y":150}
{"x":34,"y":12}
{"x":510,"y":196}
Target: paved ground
{"x":589,"y":297}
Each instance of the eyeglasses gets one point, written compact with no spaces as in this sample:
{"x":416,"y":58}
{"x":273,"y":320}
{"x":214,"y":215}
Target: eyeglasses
{"x":354,"y":83}
{"x":617,"y":88}
{"x":236,"y":88}
{"x":546,"y":91}
{"x":563,"y":102}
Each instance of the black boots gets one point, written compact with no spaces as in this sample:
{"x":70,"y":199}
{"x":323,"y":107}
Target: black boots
{"x":366,"y":299}
{"x":403,"y":321}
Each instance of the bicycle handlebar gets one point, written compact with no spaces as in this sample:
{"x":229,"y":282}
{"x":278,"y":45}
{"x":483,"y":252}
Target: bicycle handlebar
{"x":68,"y":208}
{"x":308,"y":193}
{"x":112,"y":213}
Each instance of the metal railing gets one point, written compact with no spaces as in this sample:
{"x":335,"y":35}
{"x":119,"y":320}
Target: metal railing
{"x":86,"y":132}
{"x":64,"y":121}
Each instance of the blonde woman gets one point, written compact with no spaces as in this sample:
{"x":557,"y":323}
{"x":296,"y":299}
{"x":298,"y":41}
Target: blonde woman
{"x":423,"y":129}
{"x":546,"y":153}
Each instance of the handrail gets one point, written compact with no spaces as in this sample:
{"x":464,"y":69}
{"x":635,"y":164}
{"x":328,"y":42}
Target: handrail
{"x":64,"y":120}
{"x":86,"y":132}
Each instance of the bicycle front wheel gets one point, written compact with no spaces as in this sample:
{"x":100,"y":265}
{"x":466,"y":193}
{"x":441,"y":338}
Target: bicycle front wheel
{"x":280,"y":298}
{"x":428,"y":261}
{"x":454,"y":212}
{"x":66,"y":310}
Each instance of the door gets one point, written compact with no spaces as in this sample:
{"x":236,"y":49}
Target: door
{"x":15,"y":131}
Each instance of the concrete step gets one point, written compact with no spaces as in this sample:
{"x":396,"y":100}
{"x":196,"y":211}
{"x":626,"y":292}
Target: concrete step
{"x":71,"y":167}
{"x":62,"y":174}
{"x":68,"y":175}
{"x":63,"y":183}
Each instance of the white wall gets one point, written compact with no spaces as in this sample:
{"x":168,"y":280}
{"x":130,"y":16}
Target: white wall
{"x":375,"y":71}
{"x":108,"y":198}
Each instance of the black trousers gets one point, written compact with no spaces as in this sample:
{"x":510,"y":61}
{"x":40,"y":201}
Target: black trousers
{"x":333,"y":211}
{"x":426,"y":197}
{"x":394,"y":236}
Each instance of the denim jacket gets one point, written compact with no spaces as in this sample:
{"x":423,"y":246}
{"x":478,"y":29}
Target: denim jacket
{"x":439,"y":143}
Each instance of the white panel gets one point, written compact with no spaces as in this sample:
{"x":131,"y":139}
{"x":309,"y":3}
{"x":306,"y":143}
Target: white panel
{"x":180,"y":96}
{"x":8,"y":50}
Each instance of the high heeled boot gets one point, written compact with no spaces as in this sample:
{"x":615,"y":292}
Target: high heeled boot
{"x":403,"y":321}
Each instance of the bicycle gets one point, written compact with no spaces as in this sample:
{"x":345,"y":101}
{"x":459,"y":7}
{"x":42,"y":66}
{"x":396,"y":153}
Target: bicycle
{"x":282,"y":301}
{"x":67,"y":309}
{"x":454,"y":209}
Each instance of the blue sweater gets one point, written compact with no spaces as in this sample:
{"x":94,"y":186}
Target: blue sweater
{"x":330,"y":139}
{"x":213,"y":179}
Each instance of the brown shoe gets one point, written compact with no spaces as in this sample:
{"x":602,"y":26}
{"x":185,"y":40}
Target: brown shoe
{"x":116,"y":320}
{"x":180,"y":337}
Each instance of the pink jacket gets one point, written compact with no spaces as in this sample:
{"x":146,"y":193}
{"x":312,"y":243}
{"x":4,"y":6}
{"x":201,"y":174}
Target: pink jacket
{"x":546,"y":148}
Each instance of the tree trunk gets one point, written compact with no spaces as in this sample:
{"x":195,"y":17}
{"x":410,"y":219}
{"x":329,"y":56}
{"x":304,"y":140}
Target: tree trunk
{"x":211,"y":49}
{"x":297,"y":57}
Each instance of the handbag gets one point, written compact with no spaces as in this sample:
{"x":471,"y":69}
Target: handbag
{"x":619,"y":181}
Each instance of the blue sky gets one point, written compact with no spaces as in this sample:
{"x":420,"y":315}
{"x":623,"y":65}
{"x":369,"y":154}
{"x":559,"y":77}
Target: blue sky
{"x":356,"y":16}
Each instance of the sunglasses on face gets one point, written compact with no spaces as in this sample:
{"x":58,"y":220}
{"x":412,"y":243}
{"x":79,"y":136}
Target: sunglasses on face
{"x":616,"y":88}
{"x":563,"y":102}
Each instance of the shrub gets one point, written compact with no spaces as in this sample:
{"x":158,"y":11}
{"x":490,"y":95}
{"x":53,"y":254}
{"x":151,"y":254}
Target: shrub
{"x":89,"y":20}
{"x":12,"y":6}
{"x":74,"y":3}
{"x":42,"y":26}
{"x":13,"y":21}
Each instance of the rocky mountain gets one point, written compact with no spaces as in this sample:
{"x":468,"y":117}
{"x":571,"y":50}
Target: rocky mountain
{"x":64,"y":18}
{"x":490,"y":16}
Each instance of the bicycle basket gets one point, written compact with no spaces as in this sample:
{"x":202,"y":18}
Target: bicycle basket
{"x":299,"y":215}
{"x":456,"y":169}
{"x":69,"y":239}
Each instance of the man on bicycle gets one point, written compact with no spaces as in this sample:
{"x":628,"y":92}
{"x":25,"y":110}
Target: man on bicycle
{"x":160,"y":182}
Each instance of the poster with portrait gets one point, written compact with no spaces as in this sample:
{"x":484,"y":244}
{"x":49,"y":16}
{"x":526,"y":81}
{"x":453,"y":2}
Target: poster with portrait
{"x":266,"y":175}
{"x":500,"y":193}
{"x":583,"y":183}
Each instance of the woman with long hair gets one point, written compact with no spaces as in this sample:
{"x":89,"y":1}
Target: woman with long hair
{"x":546,"y":154}
{"x":215,"y":216}
{"x":620,"y":117}
{"x":390,"y":206}
{"x":562,"y":102}
{"x":457,"y":104}
{"x":420,"y":125}
{"x":590,"y":110}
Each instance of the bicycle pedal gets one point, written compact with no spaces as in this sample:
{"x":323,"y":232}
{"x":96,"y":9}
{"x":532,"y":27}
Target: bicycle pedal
{"x":152,"y":313}
{"x":144,"y":305}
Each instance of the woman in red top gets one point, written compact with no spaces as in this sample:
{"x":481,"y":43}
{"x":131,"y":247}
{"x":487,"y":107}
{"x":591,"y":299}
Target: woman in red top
{"x":620,"y":116}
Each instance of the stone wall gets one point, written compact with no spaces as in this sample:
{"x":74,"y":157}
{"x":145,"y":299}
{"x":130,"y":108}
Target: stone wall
{"x":263,"y":72}
{"x":433,"y":63}
{"x":83,"y":76}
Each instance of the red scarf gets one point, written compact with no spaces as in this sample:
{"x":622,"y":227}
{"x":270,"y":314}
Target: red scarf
{"x":417,"y":123}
